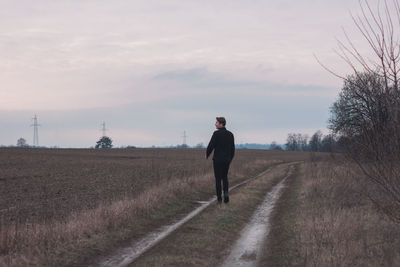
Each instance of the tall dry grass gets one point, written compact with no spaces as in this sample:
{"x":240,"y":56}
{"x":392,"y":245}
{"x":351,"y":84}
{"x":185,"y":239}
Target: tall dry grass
{"x":41,"y":242}
{"x":338,"y":225}
{"x":27,"y":244}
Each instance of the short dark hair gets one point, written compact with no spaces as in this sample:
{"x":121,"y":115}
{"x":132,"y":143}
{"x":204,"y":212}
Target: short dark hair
{"x":221,"y":120}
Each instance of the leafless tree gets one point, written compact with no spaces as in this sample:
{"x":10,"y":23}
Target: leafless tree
{"x":368,"y":110}
{"x":297,"y":141}
{"x":315,"y":141}
{"x":328,"y":143}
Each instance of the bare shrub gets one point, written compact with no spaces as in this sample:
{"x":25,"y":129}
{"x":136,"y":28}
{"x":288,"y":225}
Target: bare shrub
{"x":367,"y":113}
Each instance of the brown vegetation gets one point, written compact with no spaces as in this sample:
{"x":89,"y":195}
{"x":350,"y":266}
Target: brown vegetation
{"x":207,"y":239}
{"x":367,"y":113}
{"x":54,"y":202}
{"x":326,"y":219}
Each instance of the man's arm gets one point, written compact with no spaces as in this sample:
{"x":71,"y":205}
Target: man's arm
{"x":233,"y":147}
{"x":211,"y":146}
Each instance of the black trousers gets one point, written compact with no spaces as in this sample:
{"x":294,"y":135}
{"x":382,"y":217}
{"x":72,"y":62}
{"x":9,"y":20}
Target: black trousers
{"x":221,"y":175}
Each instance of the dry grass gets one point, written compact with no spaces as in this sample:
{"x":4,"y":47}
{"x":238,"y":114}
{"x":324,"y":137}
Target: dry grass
{"x":207,"y":239}
{"x":129,"y":184}
{"x":281,"y":247}
{"x":338,"y":225}
{"x":84,"y":224}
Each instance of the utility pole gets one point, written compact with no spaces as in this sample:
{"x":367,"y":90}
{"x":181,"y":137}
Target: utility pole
{"x":184,"y":138}
{"x":103,"y":129}
{"x":35,"y":131}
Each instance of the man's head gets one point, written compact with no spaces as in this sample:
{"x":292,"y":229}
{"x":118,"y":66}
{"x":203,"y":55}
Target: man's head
{"x":220,"y":123}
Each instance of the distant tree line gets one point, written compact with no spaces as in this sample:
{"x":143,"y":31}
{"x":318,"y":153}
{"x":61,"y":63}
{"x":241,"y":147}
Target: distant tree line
{"x":317,"y":143}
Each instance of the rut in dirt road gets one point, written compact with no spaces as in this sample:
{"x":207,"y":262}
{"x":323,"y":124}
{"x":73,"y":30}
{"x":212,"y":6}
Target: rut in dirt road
{"x":246,"y":250}
{"x":125,"y":256}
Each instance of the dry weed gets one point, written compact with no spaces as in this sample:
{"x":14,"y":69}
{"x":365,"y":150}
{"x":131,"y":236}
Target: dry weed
{"x":338,"y":226}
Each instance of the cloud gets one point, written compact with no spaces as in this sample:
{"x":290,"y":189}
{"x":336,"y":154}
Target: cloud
{"x":184,"y":75}
{"x":201,"y":78}
{"x":163,"y":121}
{"x":156,"y":68}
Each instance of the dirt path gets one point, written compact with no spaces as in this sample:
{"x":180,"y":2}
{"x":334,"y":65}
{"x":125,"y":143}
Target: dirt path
{"x":246,"y":250}
{"x":125,"y":256}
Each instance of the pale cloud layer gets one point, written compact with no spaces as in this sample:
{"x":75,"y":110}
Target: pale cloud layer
{"x":152,"y":69}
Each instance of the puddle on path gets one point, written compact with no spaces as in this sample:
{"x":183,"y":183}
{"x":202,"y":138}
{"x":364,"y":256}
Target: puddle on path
{"x":125,"y":256}
{"x":247,"y":248}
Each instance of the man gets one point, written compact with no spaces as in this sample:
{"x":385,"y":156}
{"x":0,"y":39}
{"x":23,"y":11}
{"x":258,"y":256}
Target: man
{"x":222,"y":142}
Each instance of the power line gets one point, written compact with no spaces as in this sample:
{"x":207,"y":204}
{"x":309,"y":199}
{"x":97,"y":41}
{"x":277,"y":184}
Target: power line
{"x":103,"y":129}
{"x":35,"y":131}
{"x":184,"y":138}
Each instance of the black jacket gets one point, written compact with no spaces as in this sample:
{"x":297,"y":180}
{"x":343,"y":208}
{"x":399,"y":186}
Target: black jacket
{"x":223,"y":144}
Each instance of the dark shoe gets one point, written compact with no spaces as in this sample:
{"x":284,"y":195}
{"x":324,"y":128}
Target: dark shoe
{"x":219,"y":201}
{"x":226,"y":199}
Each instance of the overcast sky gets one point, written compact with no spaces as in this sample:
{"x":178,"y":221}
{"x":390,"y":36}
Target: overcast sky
{"x":152,"y":69}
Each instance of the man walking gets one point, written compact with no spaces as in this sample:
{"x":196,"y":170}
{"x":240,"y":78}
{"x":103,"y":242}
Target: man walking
{"x":223,"y":144}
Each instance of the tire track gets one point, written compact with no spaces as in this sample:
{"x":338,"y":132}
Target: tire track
{"x":125,"y":256}
{"x":246,"y":250}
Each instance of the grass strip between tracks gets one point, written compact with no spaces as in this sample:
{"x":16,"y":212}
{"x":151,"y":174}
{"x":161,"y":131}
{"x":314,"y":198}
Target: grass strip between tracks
{"x":206,"y":239}
{"x":282,"y":246}
{"x":93,"y":247}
